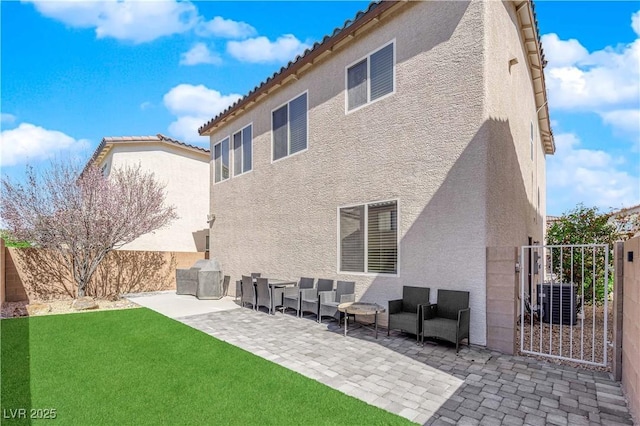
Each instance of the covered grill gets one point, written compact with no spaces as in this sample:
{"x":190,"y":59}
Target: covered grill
{"x":203,"y":280}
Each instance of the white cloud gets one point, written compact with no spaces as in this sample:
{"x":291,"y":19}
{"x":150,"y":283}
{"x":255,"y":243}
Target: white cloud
{"x":28,"y":143}
{"x":592,"y":177}
{"x":146,"y":105}
{"x":635,"y":22}
{"x":7,"y":118}
{"x":193,"y":106}
{"x":138,"y":21}
{"x":225,"y":28}
{"x":624,"y":121}
{"x":200,"y":54}
{"x":579,"y":80}
{"x":561,"y":53}
{"x":261,"y":49}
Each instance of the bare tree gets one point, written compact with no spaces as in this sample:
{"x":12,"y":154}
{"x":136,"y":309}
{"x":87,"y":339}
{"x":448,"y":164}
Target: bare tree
{"x":82,"y":215}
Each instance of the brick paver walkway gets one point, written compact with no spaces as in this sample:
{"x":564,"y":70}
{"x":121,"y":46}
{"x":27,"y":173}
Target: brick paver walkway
{"x":430,"y":385}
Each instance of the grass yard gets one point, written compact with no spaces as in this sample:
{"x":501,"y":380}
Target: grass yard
{"x":139,"y":367}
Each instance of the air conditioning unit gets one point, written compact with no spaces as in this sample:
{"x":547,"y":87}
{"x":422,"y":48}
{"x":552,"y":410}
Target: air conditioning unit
{"x":558,"y":302}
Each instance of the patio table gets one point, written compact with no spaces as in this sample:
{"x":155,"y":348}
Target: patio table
{"x":360,"y":308}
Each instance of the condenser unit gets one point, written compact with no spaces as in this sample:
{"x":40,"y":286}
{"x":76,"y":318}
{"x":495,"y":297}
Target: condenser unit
{"x":558,"y":303}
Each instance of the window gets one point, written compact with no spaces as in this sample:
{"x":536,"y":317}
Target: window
{"x":531,"y":140}
{"x":242,"y":151}
{"x":289,"y":128}
{"x":369,"y":238}
{"x":371,"y":78}
{"x":221,"y":160}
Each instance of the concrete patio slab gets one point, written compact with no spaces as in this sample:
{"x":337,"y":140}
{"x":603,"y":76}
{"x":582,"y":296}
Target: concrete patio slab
{"x":428,"y":385}
{"x":173,"y":305}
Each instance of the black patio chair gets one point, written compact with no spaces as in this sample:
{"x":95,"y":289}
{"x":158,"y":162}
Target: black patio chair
{"x":448,"y":319}
{"x":405,"y":313}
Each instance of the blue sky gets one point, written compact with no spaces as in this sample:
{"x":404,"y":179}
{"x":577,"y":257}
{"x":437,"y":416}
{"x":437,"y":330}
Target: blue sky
{"x":75,"y":72}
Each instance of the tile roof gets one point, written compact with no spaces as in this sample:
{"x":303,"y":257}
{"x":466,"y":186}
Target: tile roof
{"x":373,"y":11}
{"x":157,"y":138}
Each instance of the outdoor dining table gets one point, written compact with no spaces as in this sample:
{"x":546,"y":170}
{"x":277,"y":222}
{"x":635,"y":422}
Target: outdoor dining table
{"x":360,"y":308}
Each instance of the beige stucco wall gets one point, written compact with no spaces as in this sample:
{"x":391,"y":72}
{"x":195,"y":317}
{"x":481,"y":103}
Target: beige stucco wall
{"x":186,"y":176}
{"x":631,"y":326}
{"x":422,"y":149}
{"x":38,"y":274}
{"x":426,"y":146}
{"x":515,"y":178}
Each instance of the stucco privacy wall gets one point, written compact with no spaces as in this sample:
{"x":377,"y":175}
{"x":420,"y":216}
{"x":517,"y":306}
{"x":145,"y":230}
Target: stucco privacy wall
{"x":32,"y":276}
{"x":502,"y":309}
{"x":516,"y":173}
{"x":186,"y":175}
{"x":422,"y":146}
{"x":631,"y":326}
{"x":2,"y":269}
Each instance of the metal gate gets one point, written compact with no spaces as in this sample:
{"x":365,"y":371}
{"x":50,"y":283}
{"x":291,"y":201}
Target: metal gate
{"x":564,"y":300}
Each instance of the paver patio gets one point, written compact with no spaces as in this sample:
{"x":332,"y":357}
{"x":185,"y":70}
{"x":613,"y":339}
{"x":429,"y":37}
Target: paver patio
{"x":430,"y":385}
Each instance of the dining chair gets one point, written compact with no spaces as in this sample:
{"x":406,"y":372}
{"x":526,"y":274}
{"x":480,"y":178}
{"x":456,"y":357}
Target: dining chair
{"x":291,"y":298}
{"x":309,"y":297}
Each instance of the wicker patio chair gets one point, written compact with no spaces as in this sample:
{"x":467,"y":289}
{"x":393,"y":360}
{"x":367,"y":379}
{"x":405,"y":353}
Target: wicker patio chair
{"x":449,"y":318}
{"x":309,"y":296}
{"x":329,"y":300}
{"x":263,"y":295}
{"x":248,"y":294}
{"x":405,"y":313}
{"x":291,"y":299}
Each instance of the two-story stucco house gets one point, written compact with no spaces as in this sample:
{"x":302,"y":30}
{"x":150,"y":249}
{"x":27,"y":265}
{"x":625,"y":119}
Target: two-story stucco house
{"x":183,"y":168}
{"x":392,"y":153}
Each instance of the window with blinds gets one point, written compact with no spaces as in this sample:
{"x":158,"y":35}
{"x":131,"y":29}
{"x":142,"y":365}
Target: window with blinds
{"x":221,"y":160}
{"x":369,"y":238}
{"x":289,"y":127}
{"x":371,"y":78}
{"x":242,"y":151}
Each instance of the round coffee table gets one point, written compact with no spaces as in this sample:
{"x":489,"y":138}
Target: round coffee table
{"x":360,"y":308}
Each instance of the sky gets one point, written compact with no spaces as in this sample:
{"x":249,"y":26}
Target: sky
{"x":74,"y":72}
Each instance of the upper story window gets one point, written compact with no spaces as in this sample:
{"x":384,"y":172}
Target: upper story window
{"x":221,"y":160}
{"x":531,"y":140}
{"x":242,"y":151}
{"x":369,"y":238}
{"x":371,"y":78}
{"x":289,"y":127}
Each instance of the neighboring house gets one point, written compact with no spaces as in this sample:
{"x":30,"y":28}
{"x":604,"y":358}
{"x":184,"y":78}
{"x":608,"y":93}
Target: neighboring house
{"x":392,"y":153}
{"x":184,"y":169}
{"x":626,"y":221}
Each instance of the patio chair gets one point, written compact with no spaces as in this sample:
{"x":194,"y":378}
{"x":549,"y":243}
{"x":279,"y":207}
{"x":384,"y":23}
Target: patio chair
{"x":291,"y":299}
{"x":405,"y":313}
{"x":448,"y":319}
{"x":248,"y":294}
{"x":309,"y":296}
{"x":329,"y":300}
{"x":263,"y":295}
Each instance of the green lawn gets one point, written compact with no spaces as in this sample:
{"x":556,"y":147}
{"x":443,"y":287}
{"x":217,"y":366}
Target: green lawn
{"x":138,"y":367}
